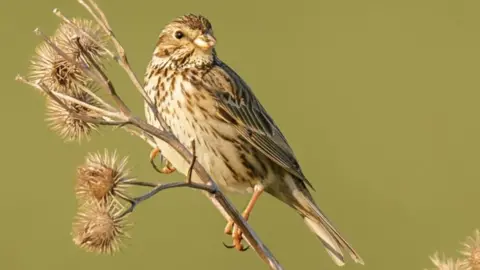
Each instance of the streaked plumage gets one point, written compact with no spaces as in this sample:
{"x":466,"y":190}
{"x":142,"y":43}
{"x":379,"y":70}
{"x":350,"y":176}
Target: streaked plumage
{"x":201,"y":98}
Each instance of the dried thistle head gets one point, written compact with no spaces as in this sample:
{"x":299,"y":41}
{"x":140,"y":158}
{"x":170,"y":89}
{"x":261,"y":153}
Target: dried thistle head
{"x":102,"y":177}
{"x":57,"y":73}
{"x":100,"y":227}
{"x":65,"y":123}
{"x":471,"y":252}
{"x":442,"y":263}
{"x":67,"y":33}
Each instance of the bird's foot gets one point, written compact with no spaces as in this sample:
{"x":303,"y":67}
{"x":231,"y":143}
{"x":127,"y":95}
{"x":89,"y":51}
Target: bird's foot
{"x":237,"y":235}
{"x":232,"y":228}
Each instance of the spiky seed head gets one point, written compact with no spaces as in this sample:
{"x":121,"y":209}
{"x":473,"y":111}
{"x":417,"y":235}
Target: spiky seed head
{"x":58,"y":74}
{"x":100,"y":227}
{"x":101,"y":177}
{"x":67,"y":33}
{"x":471,"y":252}
{"x":442,"y":263}
{"x":63,"y":122}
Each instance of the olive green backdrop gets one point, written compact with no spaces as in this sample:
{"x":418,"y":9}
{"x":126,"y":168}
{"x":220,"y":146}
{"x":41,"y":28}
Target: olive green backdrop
{"x":379,"y":101}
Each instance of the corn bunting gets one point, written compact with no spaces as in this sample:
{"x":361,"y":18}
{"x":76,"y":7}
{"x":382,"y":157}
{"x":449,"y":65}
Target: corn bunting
{"x":199,"y":98}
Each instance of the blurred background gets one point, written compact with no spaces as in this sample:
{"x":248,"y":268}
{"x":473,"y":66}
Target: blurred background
{"x":379,"y":101}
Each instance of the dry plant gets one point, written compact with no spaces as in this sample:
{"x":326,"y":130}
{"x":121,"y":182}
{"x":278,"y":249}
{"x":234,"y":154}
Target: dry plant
{"x":470,"y":259}
{"x":68,"y":69}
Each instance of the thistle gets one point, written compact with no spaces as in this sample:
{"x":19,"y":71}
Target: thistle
{"x":102,"y":177}
{"x":99,"y":227}
{"x":61,"y":117}
{"x":442,"y":263}
{"x":90,"y":35}
{"x":471,"y":252}
{"x":51,"y":69}
{"x":469,"y":261}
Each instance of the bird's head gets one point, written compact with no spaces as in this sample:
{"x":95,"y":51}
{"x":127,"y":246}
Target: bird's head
{"x":187,"y":40}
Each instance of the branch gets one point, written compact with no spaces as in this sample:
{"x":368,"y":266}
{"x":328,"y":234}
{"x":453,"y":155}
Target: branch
{"x":121,"y":59}
{"x":142,"y":135}
{"x":54,"y":96}
{"x":96,"y":97}
{"x":188,"y":183}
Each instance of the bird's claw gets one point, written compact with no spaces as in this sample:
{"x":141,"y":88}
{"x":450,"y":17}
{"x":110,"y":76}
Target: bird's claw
{"x":237,"y":237}
{"x":167,"y":169}
{"x":238,"y":246}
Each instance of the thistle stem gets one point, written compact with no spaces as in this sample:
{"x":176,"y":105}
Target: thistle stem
{"x":135,"y":201}
{"x":122,"y":56}
{"x":88,"y":106}
{"x":96,"y":97}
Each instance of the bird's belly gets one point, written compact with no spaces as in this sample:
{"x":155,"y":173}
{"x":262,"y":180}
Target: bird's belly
{"x":220,"y":155}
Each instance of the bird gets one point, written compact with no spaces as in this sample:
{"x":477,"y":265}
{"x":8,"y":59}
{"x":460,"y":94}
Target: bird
{"x":201,"y":100}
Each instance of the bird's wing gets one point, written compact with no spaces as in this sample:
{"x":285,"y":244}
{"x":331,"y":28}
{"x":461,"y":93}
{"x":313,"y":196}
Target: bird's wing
{"x":237,"y":105}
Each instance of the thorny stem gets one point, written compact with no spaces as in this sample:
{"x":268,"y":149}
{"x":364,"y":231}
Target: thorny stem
{"x":140,"y":184}
{"x":96,"y":97}
{"x":157,"y":188}
{"x":188,"y":183}
{"x":123,"y":107}
{"x":142,"y":135}
{"x":75,"y":114}
{"x":160,"y":187}
{"x":121,"y":59}
{"x":88,"y":106}
{"x":106,"y":27}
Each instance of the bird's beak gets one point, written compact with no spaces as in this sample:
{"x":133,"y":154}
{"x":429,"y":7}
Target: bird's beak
{"x":205,"y":41}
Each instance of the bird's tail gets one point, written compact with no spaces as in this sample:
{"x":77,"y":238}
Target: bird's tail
{"x":301,"y":200}
{"x":330,"y":237}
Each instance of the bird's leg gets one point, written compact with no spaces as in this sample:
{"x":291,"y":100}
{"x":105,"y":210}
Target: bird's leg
{"x":232,"y":229}
{"x":167,"y":169}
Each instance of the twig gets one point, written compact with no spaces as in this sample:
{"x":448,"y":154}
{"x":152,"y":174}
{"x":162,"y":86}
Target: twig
{"x":142,"y":135}
{"x":135,"y":201}
{"x":188,"y":183}
{"x":86,"y":105}
{"x":104,"y":79}
{"x":96,"y":97}
{"x":140,"y":183}
{"x":121,"y":59}
{"x":75,"y":114}
{"x":194,"y":159}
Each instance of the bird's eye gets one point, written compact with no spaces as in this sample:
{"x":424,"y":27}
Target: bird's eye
{"x":179,"y":35}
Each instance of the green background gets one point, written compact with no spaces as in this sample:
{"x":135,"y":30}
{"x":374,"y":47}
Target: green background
{"x":379,"y":101}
